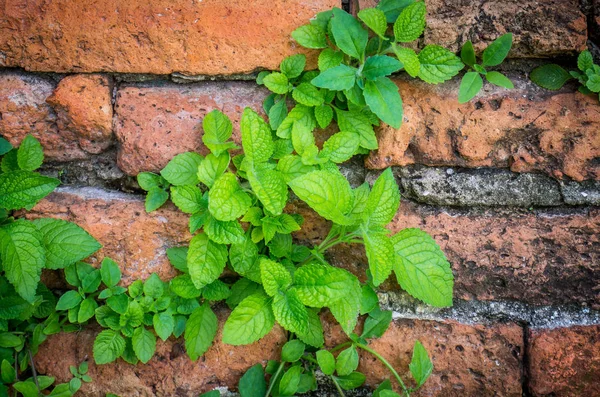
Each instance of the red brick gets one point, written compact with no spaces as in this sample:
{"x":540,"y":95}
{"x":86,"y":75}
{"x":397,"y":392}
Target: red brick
{"x":541,"y":28}
{"x":565,"y":362}
{"x":154,"y":123}
{"x":70,"y":122}
{"x":526,"y":129}
{"x":217,"y":37}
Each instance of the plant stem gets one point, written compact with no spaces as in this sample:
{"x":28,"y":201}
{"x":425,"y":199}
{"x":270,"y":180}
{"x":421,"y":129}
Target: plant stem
{"x":340,"y":346}
{"x":274,"y":378}
{"x":387,"y":364}
{"x":33,"y":371}
{"x":337,"y":386}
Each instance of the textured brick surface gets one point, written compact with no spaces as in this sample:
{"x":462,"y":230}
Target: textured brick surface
{"x":541,"y":28}
{"x":526,"y":129}
{"x":71,"y":120}
{"x":158,"y":36}
{"x":565,"y":362}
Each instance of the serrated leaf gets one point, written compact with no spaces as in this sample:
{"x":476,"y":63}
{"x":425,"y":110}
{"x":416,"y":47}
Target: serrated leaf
{"x":23,"y":257}
{"x":270,"y":188}
{"x":249,"y":321}
{"x":30,"y":154}
{"x":467,"y":54}
{"x":377,"y":323}
{"x":593,"y":83}
{"x":277,"y":83}
{"x":438,"y":64}
{"x":289,"y":312}
{"x":352,"y":381}
{"x":182,"y":169}
{"x":253,"y":383}
{"x":324,"y":115}
{"x":375,"y":20}
{"x":288,"y":386}
{"x":358,"y":122}
{"x":221,"y":232}
{"x":550,"y":77}
{"x":216,"y":291}
{"x":240,"y":290}
{"x":256,"y":137}
{"x":212,"y":167}
{"x":155,"y":198}
{"x":470,"y":85}
{"x":23,"y":189}
{"x":384,"y":99}
{"x":206,"y":260}
{"x":314,"y":334}
{"x":379,"y":66}
{"x":188,"y":198}
{"x":110,"y":272}
{"x":274,"y":276}
{"x":292,"y":351}
{"x":393,"y":8}
{"x":217,"y":130}
{"x":299,"y":117}
{"x":319,"y":285}
{"x":380,"y":253}
{"x":329,"y":58}
{"x":292,"y":167}
{"x":383,"y":200}
{"x":368,"y":299}
{"x":421,"y":267}
{"x":410,"y":23}
{"x":277,"y":113}
{"x":337,"y":78}
{"x":409,"y":58}
{"x":65,"y":242}
{"x":184,"y":287}
{"x":154,"y":286}
{"x":585,"y":61}
{"x":293,"y":66}
{"x":495,"y":53}
{"x":244,"y":259}
{"x":178,"y":258}
{"x":144,"y":344}
{"x":499,"y":79}
{"x":150,"y":180}
{"x":200,"y":331}
{"x":420,"y":366}
{"x":108,"y":346}
{"x":328,"y":193}
{"x":347,"y":361}
{"x":326,"y":362}
{"x":10,"y":162}
{"x":349,"y":35}
{"x":310,"y":36}
{"x":226,"y":200}
{"x":341,"y":147}
{"x":68,"y":300}
{"x":307,"y":94}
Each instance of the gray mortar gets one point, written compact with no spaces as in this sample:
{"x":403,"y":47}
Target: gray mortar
{"x":581,"y":193}
{"x":482,"y":312}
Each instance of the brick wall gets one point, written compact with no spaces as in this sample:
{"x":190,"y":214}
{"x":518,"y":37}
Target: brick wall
{"x":508,"y":185}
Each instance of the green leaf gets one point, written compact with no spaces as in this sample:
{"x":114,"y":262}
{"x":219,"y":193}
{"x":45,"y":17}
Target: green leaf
{"x":409,"y":59}
{"x":154,"y":286}
{"x":384,"y":99}
{"x":110,"y":272}
{"x":253,"y":383}
{"x":347,"y":361}
{"x":292,"y":167}
{"x":314,"y":335}
{"x":328,"y":193}
{"x":68,"y":300}
{"x":329,"y":58}
{"x":178,"y":258}
{"x":470,"y":85}
{"x":310,"y":36}
{"x":411,"y":23}
{"x":200,"y":331}
{"x":23,"y":257}
{"x":293,"y":66}
{"x":326,"y":362}
{"x":349,"y":35}
{"x":393,"y":8}
{"x":274,"y":276}
{"x":270,"y":188}
{"x":585,"y":61}
{"x":499,"y":79}
{"x":256,"y":137}
{"x":324,"y":115}
{"x":299,"y":117}
{"x":183,"y":286}
{"x":308,"y":95}
{"x":150,"y":180}
{"x":144,"y":344}
{"x":240,"y":290}
{"x":438,"y":64}
{"x":206,"y":260}
{"x":217,"y":130}
{"x":368,"y":299}
{"x":593,"y":83}
{"x":182,"y":169}
{"x":278,"y":113}
{"x":5,"y":146}
{"x":290,"y":313}
{"x":9,"y":162}
{"x":550,"y":77}
{"x":352,"y":381}
{"x":379,"y":66}
{"x":292,"y":351}
{"x":249,"y":321}
{"x":164,"y":324}
{"x":226,"y":200}
{"x":377,"y":323}
{"x":495,"y":53}
{"x":230,"y":232}
{"x":319,"y":285}
{"x":212,"y":167}
{"x":277,"y":82}
{"x":216,"y":291}
{"x":420,"y":366}
{"x":341,"y":147}
{"x":9,"y":375}
{"x":290,"y":381}
{"x":118,"y":303}
{"x":358,"y":122}
{"x":384,"y":200}
{"x":244,"y":259}
{"x":108,"y":346}
{"x":421,"y":267}
{"x":380,"y":253}
{"x":337,"y":78}
{"x":8,"y":339}
{"x":155,"y":198}
{"x":375,"y":20}
{"x":27,"y":388}
{"x":467,"y":54}
{"x":30,"y":155}
{"x":23,"y":189}
{"x":65,"y":242}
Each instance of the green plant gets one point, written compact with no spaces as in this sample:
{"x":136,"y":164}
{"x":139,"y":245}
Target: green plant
{"x":554,"y":77}
{"x":493,"y":55}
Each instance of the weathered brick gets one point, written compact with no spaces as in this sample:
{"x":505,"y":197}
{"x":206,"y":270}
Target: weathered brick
{"x":158,"y":36}
{"x":154,"y":123}
{"x":136,"y":240}
{"x":526,"y":129}
{"x":71,"y":120}
{"x":564,"y":362}
{"x":169,"y":373}
{"x":541,"y":28}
